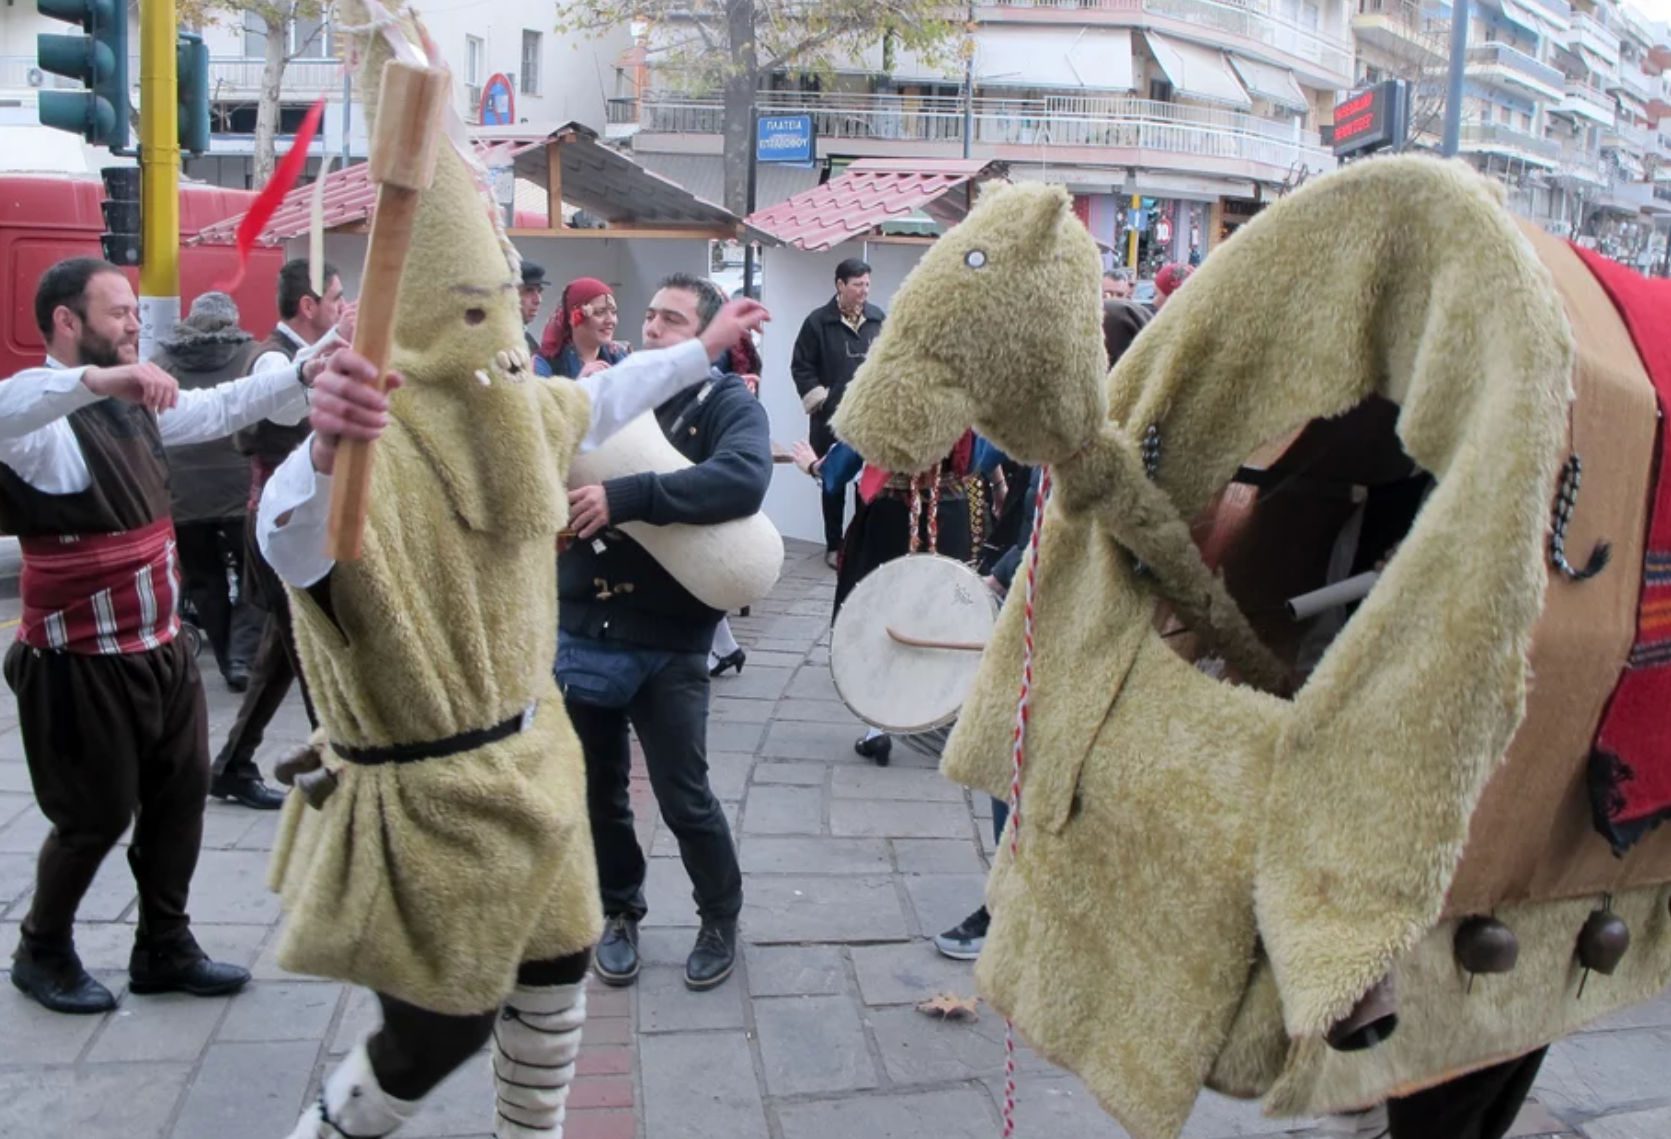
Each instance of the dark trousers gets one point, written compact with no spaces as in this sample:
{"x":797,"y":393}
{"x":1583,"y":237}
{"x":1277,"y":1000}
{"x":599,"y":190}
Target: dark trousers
{"x":276,"y":665}
{"x":415,"y":1049}
{"x":109,"y":738}
{"x":1480,"y":1105}
{"x":669,"y":711}
{"x":834,"y":502}
{"x":206,"y":549}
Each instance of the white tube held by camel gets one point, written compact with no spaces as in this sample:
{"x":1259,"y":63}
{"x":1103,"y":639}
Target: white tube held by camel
{"x":727,"y":565}
{"x":1343,"y":592}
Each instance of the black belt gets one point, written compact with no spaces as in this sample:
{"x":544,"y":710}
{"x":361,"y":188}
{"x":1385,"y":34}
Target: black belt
{"x":438,"y":749}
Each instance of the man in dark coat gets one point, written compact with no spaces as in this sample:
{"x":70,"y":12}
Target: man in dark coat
{"x":209,"y":483}
{"x":834,"y":341}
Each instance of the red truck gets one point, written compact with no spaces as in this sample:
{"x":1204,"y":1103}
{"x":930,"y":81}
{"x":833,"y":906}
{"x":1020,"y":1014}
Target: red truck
{"x":44,"y":219}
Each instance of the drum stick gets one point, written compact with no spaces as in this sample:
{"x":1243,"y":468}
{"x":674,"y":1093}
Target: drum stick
{"x":403,"y":152}
{"x":920,"y":643}
{"x":1340,"y":593}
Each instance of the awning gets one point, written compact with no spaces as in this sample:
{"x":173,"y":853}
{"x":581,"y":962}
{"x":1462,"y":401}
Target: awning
{"x":1275,"y":84}
{"x":1097,"y":59}
{"x":1518,"y":13}
{"x":1636,"y":106}
{"x":1197,"y":72}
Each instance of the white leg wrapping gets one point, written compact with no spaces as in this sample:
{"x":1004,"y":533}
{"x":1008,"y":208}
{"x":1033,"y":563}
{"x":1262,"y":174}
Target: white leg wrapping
{"x":352,"y":1106}
{"x":535,"y":1042}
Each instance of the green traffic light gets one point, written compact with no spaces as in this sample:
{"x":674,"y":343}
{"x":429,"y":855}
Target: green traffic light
{"x":78,"y":112}
{"x":99,"y":60}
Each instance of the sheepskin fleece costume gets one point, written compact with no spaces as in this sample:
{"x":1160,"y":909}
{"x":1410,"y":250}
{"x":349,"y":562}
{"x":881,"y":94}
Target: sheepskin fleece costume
{"x":432,"y":881}
{"x":1174,"y":825}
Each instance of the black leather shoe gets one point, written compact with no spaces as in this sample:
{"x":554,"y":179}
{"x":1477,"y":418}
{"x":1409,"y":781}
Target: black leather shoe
{"x":615,"y":960}
{"x":878,"y":749}
{"x":52,"y":976}
{"x":247,"y":790}
{"x":734,"y":659}
{"x":237,"y":676}
{"x":179,"y":966}
{"x":713,"y":956}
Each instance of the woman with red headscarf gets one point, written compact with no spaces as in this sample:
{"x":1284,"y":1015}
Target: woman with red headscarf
{"x":579,"y":338}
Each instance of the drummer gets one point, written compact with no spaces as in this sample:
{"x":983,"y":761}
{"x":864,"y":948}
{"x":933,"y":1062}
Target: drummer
{"x":881,"y":527}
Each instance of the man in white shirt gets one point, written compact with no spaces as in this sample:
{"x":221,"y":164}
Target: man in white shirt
{"x":110,"y":704}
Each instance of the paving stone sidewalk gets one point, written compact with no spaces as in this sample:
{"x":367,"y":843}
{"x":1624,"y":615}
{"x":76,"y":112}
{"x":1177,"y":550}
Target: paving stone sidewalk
{"x":848,"y":869}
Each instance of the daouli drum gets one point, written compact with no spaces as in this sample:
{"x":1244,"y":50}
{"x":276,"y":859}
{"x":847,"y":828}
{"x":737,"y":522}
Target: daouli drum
{"x":908,"y":641}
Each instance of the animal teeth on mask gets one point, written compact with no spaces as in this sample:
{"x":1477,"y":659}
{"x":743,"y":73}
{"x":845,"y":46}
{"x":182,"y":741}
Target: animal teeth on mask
{"x":503,"y":359}
{"x":483,"y":378}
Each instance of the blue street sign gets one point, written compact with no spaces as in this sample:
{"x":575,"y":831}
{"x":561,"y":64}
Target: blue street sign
{"x":785,"y":138}
{"x":498,"y":102}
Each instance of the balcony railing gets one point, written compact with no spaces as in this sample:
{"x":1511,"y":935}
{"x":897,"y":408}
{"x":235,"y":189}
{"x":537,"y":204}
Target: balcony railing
{"x":1518,"y":62}
{"x":233,"y":77}
{"x":1633,"y":79}
{"x":1594,"y":98}
{"x":1593,"y":34}
{"x":1255,"y":20}
{"x":1497,"y":137}
{"x":1635,"y":139}
{"x":1117,"y":122}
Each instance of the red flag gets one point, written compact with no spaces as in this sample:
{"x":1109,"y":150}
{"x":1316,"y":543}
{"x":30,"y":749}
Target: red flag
{"x":280,"y":184}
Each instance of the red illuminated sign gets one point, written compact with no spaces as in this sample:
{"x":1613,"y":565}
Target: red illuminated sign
{"x":1370,"y":120}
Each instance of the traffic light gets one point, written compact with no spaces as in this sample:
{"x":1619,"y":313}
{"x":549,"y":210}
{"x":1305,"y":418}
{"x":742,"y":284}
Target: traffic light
{"x":122,"y":241}
{"x":193,"y":98}
{"x":99,"y":60}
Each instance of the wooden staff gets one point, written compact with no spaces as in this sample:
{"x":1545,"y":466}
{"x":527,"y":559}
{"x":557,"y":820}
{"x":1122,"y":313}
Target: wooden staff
{"x":404,"y":147}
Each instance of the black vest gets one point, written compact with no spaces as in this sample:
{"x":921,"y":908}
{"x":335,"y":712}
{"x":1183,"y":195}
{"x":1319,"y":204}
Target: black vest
{"x":268,"y":441}
{"x":124,"y":454}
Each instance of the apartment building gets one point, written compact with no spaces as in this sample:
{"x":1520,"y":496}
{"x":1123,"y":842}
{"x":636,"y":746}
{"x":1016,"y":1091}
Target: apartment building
{"x":1205,"y":109}
{"x":1568,"y":104}
{"x":504,"y":56}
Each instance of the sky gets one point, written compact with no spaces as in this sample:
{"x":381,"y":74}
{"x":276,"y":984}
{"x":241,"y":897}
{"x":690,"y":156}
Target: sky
{"x":1654,"y":9}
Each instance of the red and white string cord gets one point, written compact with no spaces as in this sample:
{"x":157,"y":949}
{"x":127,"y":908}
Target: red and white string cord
{"x":934,"y":511}
{"x":1018,"y":756}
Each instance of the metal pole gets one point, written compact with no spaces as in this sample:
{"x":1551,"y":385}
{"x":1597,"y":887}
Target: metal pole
{"x":753,"y":168}
{"x":1453,"y":93}
{"x":969,"y":87}
{"x":347,"y":109}
{"x":159,"y":165}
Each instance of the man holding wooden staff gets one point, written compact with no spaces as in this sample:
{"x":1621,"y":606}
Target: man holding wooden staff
{"x":437,"y":850}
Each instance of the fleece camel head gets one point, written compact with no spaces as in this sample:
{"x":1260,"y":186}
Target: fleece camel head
{"x":999,"y":327}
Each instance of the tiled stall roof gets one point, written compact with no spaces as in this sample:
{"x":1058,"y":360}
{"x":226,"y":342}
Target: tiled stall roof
{"x":867,"y":194}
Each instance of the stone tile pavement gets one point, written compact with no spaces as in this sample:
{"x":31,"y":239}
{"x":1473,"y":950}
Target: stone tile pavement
{"x":848,"y":870}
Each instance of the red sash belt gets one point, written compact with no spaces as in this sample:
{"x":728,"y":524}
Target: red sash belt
{"x":101,"y":593}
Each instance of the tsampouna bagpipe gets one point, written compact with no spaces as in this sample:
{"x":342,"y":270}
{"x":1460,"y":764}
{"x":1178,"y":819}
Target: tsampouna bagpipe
{"x":1320,"y":849}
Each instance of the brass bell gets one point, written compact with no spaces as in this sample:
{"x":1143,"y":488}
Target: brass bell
{"x":1371,"y":1020}
{"x":1486,"y":945}
{"x":317,"y":786}
{"x":303,"y":759}
{"x":1603,"y":941}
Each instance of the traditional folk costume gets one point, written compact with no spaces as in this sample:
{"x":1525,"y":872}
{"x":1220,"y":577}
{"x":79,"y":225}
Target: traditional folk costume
{"x":1227,"y":854}
{"x":110,"y":704}
{"x":450,"y":870}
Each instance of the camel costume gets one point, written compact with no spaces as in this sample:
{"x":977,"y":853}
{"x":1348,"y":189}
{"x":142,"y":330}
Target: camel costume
{"x":1213,"y":875}
{"x":455,"y":848}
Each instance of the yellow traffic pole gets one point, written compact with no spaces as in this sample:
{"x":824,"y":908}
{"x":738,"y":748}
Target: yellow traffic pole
{"x":1131,"y":251}
{"x":159,"y":164}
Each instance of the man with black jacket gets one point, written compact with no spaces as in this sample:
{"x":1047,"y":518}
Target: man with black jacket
{"x":834,"y":341}
{"x":633,"y":648}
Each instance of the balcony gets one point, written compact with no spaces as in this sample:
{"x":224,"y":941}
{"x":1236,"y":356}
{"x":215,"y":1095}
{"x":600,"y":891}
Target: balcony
{"x":1579,"y":169}
{"x":1640,"y":141}
{"x":1594,"y":37}
{"x":1324,"y":58}
{"x":239,"y":79}
{"x":1144,"y":131}
{"x":1503,"y":66}
{"x":1496,"y":138}
{"x":1402,"y":28}
{"x":1631,"y":79}
{"x":1587,"y":102}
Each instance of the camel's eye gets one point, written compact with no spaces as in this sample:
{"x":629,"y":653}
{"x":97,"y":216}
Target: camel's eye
{"x":975,"y":259}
